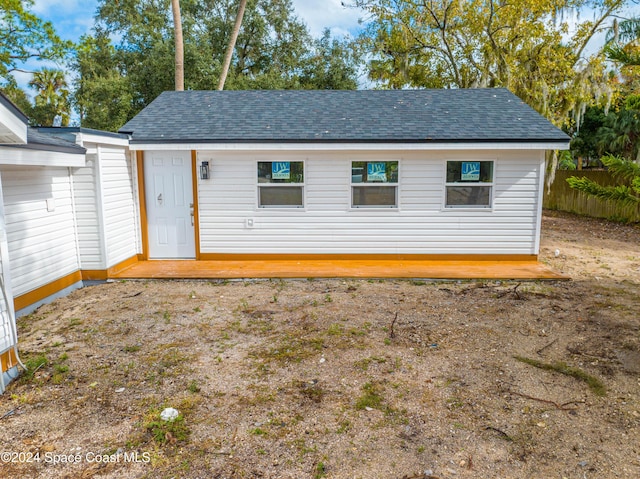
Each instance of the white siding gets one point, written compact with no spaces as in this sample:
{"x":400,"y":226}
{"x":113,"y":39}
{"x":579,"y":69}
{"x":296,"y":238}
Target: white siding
{"x":105,"y":207}
{"x":87,"y":218}
{"x":328,"y":225}
{"x":40,"y":226}
{"x":118,"y":203}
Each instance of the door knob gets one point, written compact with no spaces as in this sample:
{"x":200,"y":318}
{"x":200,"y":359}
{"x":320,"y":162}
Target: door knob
{"x":160,"y":199}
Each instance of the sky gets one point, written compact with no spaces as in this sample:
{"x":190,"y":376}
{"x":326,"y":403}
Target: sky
{"x":73,"y":18}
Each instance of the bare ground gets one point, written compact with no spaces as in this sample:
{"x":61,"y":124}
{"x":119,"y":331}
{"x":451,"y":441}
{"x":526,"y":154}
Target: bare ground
{"x":341,"y":378}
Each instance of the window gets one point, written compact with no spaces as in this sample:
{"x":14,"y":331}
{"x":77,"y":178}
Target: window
{"x":469,"y":184}
{"x":280,"y":184}
{"x":374,"y":184}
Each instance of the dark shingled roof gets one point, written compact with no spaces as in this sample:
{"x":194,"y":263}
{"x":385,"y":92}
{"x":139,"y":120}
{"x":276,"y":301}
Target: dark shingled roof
{"x":334,"y":116}
{"x":69,"y":132}
{"x":45,"y":142}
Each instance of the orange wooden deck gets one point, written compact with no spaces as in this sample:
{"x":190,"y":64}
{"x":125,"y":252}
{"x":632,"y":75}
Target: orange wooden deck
{"x":340,"y":268}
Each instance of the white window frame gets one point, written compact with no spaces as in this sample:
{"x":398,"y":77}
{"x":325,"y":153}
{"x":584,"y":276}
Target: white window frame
{"x":280,"y":185}
{"x":477,"y":184}
{"x":395,"y":185}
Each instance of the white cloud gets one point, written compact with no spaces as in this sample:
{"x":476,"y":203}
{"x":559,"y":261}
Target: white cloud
{"x":70,"y":18}
{"x":62,"y":7}
{"x":331,"y":14}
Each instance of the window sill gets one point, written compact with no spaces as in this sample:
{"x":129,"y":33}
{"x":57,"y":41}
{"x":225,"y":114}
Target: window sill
{"x":466,"y":209}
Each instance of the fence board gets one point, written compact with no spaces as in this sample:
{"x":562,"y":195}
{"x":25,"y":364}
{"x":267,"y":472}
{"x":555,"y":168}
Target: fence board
{"x":560,"y":196}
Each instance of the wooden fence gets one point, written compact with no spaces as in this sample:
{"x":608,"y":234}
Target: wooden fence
{"x":564,"y":198}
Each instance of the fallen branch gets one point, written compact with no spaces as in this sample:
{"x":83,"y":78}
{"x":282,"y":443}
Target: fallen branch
{"x":502,"y":433}
{"x":392,"y":333}
{"x":9,"y":413}
{"x":539,"y":351}
{"x":562,"y":407}
{"x":514,"y":291}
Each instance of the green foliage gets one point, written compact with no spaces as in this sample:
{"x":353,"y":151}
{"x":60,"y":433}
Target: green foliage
{"x":620,"y":132}
{"x":594,"y":383}
{"x":483,"y":43}
{"x":331,"y":65}
{"x":16,"y":94}
{"x":24,"y":36}
{"x":52,"y":98}
{"x":371,"y":397}
{"x":565,"y":161}
{"x":166,"y":432}
{"x":584,"y":141}
{"x":320,"y":470}
{"x":621,"y":168}
{"x":622,"y":42}
{"x":32,"y":365}
{"x":274,"y":50}
{"x":102,"y":93}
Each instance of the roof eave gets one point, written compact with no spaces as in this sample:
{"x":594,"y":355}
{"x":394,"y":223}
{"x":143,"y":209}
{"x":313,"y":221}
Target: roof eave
{"x":484,"y":144}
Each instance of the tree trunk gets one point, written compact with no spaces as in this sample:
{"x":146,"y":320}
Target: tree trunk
{"x":232,"y":44}
{"x":179,"y":44}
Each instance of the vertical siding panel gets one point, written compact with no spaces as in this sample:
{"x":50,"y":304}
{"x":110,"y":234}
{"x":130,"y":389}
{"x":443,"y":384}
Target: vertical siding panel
{"x":118,"y":204}
{"x":105,"y":206}
{"x":87,"y":218}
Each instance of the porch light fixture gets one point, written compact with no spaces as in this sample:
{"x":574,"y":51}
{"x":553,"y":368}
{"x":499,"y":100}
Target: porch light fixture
{"x":204,"y":170}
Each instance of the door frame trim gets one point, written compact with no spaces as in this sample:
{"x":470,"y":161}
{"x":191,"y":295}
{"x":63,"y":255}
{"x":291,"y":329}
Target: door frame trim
{"x":196,"y":209}
{"x":144,"y":223}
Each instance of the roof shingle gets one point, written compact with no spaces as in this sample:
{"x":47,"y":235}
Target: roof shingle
{"x":371,"y":116}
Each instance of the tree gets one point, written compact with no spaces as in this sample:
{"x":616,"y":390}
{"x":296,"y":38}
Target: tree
{"x":628,"y":171}
{"x":585,"y":140}
{"x":620,"y":133}
{"x":179,"y":45}
{"x":24,"y":36}
{"x":52,"y":99}
{"x":232,"y":44}
{"x":522,"y":45}
{"x":102,"y":93}
{"x":332,"y":65}
{"x":17,"y":95}
{"x":274,"y":49}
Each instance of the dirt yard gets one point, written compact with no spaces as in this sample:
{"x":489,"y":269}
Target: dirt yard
{"x":341,"y":378}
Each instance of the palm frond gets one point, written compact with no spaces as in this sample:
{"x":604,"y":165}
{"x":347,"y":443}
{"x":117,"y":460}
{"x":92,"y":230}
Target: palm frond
{"x":625,"y":31}
{"x":617,"y":53}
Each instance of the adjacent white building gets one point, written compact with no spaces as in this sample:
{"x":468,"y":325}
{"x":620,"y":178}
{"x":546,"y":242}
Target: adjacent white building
{"x":68,"y":214}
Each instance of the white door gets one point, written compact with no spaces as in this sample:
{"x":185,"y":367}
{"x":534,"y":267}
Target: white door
{"x":169,"y":198}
